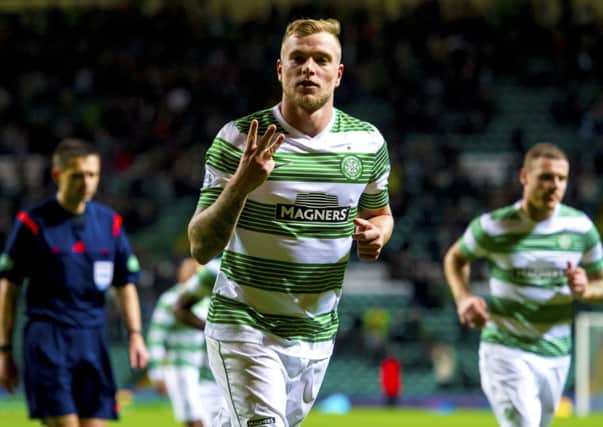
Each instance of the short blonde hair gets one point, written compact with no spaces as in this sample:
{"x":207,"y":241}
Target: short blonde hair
{"x":544,"y":150}
{"x":307,"y":27}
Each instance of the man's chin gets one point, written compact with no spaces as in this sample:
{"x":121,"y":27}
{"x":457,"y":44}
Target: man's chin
{"x":551,"y":204}
{"x":310,"y":102}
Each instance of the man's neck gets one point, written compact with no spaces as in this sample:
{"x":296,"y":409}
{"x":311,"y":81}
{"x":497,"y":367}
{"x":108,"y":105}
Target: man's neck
{"x":310,"y":123}
{"x":534,"y":213}
{"x":76,"y":208}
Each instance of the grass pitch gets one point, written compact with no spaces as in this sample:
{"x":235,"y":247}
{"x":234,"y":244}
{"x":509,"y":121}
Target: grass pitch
{"x":13,"y":414}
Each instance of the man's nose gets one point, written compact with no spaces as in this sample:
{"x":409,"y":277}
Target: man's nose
{"x":308,"y":68}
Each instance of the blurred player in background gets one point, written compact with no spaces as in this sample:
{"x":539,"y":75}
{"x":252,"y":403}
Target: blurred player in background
{"x":191,"y":308}
{"x":72,"y":250}
{"x":541,"y":255}
{"x":178,"y":358}
{"x":286,"y":191}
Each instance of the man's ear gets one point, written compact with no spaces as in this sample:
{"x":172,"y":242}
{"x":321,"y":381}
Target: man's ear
{"x":522,"y":176}
{"x":55,"y":173}
{"x":339,"y":75}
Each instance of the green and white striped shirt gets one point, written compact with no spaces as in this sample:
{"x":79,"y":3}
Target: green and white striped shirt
{"x":531,"y":305}
{"x":282,"y":270}
{"x":171,"y":342}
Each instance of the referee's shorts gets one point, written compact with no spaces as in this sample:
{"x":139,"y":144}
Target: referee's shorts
{"x":68,"y":371}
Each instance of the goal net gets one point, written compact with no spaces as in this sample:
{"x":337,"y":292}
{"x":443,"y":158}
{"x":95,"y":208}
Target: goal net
{"x":589,"y":362}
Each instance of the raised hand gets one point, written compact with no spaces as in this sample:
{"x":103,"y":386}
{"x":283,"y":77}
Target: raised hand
{"x":576,"y":279}
{"x":257,"y":163}
{"x":472,"y":311}
{"x":369,"y":239}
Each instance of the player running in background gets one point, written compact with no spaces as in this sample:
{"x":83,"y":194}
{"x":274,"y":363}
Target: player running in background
{"x":286,"y":190}
{"x":178,"y":357}
{"x":541,"y":255}
{"x":72,"y":250}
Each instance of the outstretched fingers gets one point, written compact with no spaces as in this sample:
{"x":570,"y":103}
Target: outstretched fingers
{"x":270,"y":142}
{"x":252,"y":137}
{"x":267,"y":144}
{"x":275,"y":145}
{"x":266,"y":139}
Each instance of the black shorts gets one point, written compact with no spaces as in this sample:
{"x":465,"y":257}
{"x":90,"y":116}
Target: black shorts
{"x":68,"y":371}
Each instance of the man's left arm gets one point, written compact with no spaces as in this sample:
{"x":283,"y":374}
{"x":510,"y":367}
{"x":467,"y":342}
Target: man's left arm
{"x":196,"y":288}
{"x":129,"y":305}
{"x":183,"y":310}
{"x":373,"y":231}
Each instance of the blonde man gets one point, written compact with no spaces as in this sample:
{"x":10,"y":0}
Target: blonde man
{"x":541,"y":255}
{"x":286,"y":191}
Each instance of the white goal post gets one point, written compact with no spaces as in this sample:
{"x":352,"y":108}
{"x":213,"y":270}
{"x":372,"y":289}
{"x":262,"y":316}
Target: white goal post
{"x":589,"y":362}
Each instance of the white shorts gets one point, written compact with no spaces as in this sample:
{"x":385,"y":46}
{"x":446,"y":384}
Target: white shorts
{"x":192,"y":399}
{"x":182,"y":384}
{"x":212,"y":401}
{"x":523,"y":388}
{"x":264,"y":387}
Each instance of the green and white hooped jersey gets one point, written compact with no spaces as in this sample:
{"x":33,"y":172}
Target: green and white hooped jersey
{"x":531,"y":305}
{"x":282,"y":270}
{"x":171,"y":342}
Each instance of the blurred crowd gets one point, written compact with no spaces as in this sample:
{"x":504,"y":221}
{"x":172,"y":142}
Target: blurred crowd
{"x":151,"y":91}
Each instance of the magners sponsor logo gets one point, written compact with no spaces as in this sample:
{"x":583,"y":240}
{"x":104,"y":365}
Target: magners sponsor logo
{"x":538,"y":273}
{"x":539,"y":270}
{"x":301,"y":213}
{"x":313,"y":207}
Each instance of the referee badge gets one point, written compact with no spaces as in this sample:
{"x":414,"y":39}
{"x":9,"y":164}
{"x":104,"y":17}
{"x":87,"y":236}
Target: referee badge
{"x":103,"y":274}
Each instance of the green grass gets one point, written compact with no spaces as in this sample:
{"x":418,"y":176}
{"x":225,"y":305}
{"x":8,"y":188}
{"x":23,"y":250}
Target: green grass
{"x":411,"y":417}
{"x":12,"y":413}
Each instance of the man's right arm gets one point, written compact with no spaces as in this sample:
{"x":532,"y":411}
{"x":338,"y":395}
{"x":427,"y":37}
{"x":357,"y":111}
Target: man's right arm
{"x":471,"y":309}
{"x":8,"y":309}
{"x":210,"y":228}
